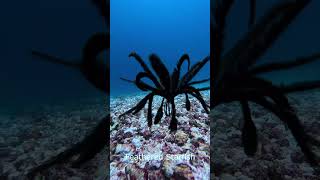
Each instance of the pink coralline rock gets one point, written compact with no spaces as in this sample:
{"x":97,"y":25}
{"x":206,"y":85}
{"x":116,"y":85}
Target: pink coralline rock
{"x":159,"y":135}
{"x":134,"y":137}
{"x":146,"y":134}
{"x":135,"y":173}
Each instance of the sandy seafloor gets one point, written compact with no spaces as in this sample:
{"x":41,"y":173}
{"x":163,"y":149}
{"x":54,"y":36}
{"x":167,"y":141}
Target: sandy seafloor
{"x":33,"y":136}
{"x":131,"y":135}
{"x":278,"y":155}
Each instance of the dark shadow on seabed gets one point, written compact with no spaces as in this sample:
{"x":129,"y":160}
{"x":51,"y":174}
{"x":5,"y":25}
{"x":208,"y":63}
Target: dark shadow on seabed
{"x":271,"y":152}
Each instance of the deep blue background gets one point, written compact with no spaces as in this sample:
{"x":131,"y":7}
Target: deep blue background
{"x":168,"y":28}
{"x":57,"y":27}
{"x":165,"y":27}
{"x":301,"y":39}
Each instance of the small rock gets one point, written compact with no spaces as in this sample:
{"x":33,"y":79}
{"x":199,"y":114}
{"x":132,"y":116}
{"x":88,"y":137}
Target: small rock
{"x":136,"y":142}
{"x":181,"y":138}
{"x":134,"y":172}
{"x":183,"y":172}
{"x":123,"y":149}
{"x":297,"y":157}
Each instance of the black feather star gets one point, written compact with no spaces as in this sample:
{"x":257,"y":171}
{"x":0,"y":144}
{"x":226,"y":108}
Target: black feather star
{"x":168,"y":87}
{"x":235,"y":73}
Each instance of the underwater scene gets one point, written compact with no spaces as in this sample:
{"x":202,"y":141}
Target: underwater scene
{"x":48,"y":104}
{"x":159,"y":89}
{"x":162,"y":89}
{"x":265,"y":94}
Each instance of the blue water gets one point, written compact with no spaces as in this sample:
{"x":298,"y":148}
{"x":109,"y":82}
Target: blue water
{"x":301,"y":39}
{"x":164,"y":27}
{"x":57,"y":27}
